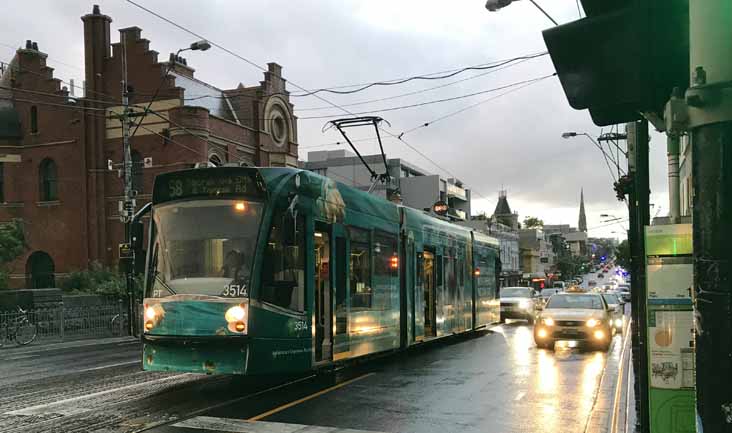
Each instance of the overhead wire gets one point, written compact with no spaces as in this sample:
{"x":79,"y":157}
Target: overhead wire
{"x":416,"y":92}
{"x":453,"y":113}
{"x":20,"y":69}
{"x":244,"y":59}
{"x":419,"y":77}
{"x":344,"y":86}
{"x":435,"y":101}
{"x":438,"y":119}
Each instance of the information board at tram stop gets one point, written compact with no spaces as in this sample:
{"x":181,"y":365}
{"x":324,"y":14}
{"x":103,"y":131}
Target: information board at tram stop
{"x":669,"y":280}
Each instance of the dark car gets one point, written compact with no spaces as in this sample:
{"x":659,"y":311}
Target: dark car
{"x":600,"y":275}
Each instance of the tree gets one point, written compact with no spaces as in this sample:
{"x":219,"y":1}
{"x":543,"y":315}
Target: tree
{"x":12,"y":245}
{"x":97,"y":280}
{"x":622,"y":257}
{"x":533,"y":223}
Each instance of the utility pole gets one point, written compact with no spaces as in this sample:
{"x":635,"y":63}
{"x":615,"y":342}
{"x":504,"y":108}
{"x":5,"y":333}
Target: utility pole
{"x":639,"y":215}
{"x":127,"y":205}
{"x":709,"y":108}
{"x":127,"y":209}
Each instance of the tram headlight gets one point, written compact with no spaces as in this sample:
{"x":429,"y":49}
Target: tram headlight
{"x":153,"y":314}
{"x":236,"y":318}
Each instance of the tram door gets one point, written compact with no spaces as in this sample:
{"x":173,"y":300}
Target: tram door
{"x":323,"y":294}
{"x":428,"y":278}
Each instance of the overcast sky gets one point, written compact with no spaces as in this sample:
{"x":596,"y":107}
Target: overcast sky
{"x":512,"y":142}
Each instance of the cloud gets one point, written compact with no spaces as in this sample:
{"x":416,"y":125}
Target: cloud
{"x":513,"y":142}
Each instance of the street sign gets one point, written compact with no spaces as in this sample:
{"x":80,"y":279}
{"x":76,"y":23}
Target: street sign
{"x":9,"y":158}
{"x":125,"y":251}
{"x":671,"y":357}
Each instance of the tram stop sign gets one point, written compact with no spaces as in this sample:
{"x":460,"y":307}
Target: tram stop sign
{"x":126,"y":257}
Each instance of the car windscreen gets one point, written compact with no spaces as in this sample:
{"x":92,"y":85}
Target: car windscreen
{"x":611,"y":298}
{"x":516,"y":292}
{"x":585,"y":302}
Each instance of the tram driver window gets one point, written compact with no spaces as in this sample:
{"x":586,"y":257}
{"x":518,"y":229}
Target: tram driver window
{"x":283,"y":275}
{"x":360,"y":278}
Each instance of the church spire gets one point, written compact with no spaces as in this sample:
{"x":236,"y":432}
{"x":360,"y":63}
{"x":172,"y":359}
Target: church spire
{"x":582,"y":217}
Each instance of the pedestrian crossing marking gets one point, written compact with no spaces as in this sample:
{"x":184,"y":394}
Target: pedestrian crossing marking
{"x":230,"y":425}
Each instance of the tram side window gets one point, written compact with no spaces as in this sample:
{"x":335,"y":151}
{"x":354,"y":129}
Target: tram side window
{"x":360,"y":265}
{"x":450,"y":276}
{"x":283,"y":269}
{"x":486,"y":279}
{"x":386,"y":267}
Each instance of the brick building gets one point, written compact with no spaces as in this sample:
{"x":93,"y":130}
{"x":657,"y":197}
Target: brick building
{"x":55,"y":148}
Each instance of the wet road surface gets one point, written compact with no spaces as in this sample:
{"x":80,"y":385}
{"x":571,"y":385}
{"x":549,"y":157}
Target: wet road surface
{"x":495,"y":381}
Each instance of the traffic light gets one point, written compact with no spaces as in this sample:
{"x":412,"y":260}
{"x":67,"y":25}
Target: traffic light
{"x":624,"y":58}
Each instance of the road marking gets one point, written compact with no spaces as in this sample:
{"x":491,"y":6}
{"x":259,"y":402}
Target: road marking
{"x":125,"y":341}
{"x":21,"y":357}
{"x":47,"y":407}
{"x":245,"y":426}
{"x":119,"y":364}
{"x":619,"y":384}
{"x":519,"y":396}
{"x":310,"y":397}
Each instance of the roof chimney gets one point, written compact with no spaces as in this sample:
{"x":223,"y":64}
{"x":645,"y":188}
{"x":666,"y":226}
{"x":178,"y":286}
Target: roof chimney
{"x":35,"y":46}
{"x":28,"y":44}
{"x":95,"y":10}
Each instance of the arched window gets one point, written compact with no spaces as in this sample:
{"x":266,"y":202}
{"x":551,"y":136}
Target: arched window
{"x":39,"y":271}
{"x":137,"y":176}
{"x":215,"y":160}
{"x":34,"y":119}
{"x":48,"y":180}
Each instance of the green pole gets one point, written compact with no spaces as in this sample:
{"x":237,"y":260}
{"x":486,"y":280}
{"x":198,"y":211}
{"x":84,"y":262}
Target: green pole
{"x":710,"y":101}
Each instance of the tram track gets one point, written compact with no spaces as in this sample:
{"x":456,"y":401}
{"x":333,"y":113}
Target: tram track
{"x":209,"y":408}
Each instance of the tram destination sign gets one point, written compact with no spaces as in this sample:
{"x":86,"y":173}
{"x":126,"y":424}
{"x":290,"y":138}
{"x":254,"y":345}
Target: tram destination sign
{"x":208,"y":183}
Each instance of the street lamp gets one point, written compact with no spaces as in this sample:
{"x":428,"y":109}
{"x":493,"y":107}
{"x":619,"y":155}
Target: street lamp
{"x":130,"y":217}
{"x":607,"y":157}
{"x":494,"y":5}
{"x":201,"y":45}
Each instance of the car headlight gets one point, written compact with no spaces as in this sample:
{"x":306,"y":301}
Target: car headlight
{"x":236,"y":318}
{"x":618,"y":322}
{"x":592,"y":323}
{"x":548,"y":321}
{"x":524,"y":304}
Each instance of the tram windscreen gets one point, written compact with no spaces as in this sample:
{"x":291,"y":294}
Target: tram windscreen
{"x":204,"y":247}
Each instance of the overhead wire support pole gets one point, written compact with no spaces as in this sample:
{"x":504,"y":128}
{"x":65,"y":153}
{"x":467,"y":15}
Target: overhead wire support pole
{"x":708,"y":104}
{"x":127,"y":207}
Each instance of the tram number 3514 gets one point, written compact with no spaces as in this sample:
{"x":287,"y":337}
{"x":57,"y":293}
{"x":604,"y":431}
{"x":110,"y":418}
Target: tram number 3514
{"x":301,"y":325}
{"x":235,"y":291}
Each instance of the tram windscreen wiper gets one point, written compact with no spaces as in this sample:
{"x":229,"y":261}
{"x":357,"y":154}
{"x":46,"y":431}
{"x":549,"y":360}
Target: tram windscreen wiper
{"x":159,"y":279}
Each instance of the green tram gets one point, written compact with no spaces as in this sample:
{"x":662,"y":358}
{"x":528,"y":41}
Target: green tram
{"x":275,"y":270}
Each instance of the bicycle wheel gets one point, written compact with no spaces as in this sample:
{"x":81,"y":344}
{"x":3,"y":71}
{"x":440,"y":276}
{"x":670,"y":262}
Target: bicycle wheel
{"x":25,"y":333}
{"x":116,"y":326}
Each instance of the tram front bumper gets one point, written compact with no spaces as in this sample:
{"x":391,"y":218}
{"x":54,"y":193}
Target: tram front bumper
{"x":208,"y":355}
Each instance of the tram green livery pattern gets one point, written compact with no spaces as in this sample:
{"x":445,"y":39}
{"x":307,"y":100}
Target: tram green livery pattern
{"x":277,"y":270}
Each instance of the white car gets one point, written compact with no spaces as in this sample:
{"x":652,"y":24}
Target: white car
{"x":518,"y":303}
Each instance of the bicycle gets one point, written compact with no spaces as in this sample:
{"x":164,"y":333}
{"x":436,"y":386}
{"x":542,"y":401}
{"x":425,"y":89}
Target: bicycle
{"x":18,"y":329}
{"x":118,"y":325}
